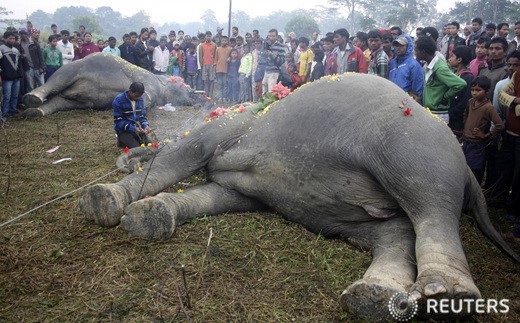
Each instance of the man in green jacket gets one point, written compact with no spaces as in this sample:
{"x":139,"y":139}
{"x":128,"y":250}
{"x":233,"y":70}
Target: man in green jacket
{"x":441,"y":84}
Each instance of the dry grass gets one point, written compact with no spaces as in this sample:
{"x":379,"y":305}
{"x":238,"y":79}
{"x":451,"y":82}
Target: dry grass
{"x":54,"y":266}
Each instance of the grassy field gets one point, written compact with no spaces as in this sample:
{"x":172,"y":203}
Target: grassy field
{"x":254,"y":267}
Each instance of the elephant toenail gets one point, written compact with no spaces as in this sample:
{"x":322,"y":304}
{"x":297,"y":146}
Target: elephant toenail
{"x":434,"y":289}
{"x":416,"y":295}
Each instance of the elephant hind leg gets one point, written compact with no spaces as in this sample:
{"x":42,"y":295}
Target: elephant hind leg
{"x":33,"y":100}
{"x":54,"y":104}
{"x":157,"y":217}
{"x":393,"y":270}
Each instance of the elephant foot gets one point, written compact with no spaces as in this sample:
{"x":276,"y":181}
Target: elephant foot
{"x":32,"y":100}
{"x":104,"y":204}
{"x":432,"y":286}
{"x":33,"y":113}
{"x":369,"y":300}
{"x":150,"y":219}
{"x":434,"y":283}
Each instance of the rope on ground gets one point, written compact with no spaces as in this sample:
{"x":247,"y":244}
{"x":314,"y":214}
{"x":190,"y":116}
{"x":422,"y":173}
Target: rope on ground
{"x":81,"y":187}
{"x":58,"y":198}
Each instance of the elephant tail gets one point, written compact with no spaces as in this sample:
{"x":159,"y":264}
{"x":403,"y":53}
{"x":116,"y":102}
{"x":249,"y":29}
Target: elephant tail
{"x":478,"y":209}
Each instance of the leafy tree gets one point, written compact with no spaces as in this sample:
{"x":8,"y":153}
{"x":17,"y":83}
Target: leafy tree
{"x":193,"y":28}
{"x":109,"y":21}
{"x":382,"y":13}
{"x":366,"y":23}
{"x":135,"y":22}
{"x":263,"y":24}
{"x":41,"y":19}
{"x":9,"y":22}
{"x":209,"y":20}
{"x":348,"y":8}
{"x":329,"y":25}
{"x":4,"y":12}
{"x":403,"y":13}
{"x":242,"y":20}
{"x":90,"y":22}
{"x":64,"y":16}
{"x":490,"y":11}
{"x":172,"y":26}
{"x":302,"y":25}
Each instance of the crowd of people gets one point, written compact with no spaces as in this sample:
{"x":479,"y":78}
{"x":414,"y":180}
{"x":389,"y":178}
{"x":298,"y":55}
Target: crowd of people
{"x":466,"y":78}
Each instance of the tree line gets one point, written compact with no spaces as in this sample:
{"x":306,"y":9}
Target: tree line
{"x":354,"y":15}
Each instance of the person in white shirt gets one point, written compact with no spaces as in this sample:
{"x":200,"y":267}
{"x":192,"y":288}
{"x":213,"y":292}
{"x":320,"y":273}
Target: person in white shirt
{"x":65,"y":47}
{"x":161,"y":57}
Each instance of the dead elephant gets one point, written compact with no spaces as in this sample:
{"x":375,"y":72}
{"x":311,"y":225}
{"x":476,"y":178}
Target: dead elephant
{"x":94,"y":81}
{"x":375,"y":170}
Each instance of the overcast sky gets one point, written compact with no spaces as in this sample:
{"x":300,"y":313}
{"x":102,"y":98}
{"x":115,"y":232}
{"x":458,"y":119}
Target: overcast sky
{"x":174,"y":11}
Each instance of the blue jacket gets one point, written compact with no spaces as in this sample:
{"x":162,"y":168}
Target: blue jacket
{"x":406,"y":72}
{"x":125,"y":120}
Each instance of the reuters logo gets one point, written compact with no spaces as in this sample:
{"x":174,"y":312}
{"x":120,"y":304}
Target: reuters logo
{"x":402,"y":306}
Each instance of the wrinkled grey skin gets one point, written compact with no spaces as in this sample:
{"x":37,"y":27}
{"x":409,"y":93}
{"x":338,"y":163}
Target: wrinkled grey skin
{"x":341,"y":161}
{"x":94,"y":81}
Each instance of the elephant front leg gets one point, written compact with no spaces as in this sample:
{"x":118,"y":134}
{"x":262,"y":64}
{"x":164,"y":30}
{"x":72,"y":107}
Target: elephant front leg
{"x":393,"y":270}
{"x":443,"y":270}
{"x":104,"y":204}
{"x":157,"y":217}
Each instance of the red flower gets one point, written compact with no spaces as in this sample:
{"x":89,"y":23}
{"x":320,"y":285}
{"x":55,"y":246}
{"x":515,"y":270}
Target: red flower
{"x":155,"y":145}
{"x":407,"y":112}
{"x":126,"y":150}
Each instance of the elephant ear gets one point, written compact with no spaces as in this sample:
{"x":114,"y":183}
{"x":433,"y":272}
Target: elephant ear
{"x":131,"y":160}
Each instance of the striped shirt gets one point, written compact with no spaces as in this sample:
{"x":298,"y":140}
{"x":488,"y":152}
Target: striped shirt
{"x":379,"y":63}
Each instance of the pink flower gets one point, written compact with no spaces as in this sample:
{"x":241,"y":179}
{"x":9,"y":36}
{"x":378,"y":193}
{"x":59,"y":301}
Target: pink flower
{"x":177,"y":79}
{"x":280,"y":91}
{"x":218,"y":112}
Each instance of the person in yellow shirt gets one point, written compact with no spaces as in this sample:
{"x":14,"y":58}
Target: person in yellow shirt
{"x":306,"y":58}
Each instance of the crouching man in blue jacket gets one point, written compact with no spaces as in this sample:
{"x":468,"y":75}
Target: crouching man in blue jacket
{"x":130,"y":120}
